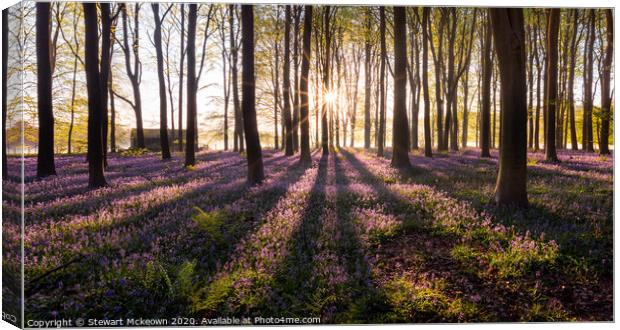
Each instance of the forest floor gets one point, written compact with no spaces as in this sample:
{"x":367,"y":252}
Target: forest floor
{"x":348,"y":239}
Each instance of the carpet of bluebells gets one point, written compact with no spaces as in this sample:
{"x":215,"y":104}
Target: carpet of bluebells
{"x":348,"y":239}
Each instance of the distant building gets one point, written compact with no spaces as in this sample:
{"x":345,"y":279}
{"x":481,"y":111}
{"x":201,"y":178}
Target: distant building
{"x":151,"y":138}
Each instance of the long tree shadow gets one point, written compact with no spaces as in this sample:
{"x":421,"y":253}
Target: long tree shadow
{"x":293,"y":285}
{"x":176,"y":249}
{"x":491,"y":298}
{"x":92,"y":200}
{"x":361,"y":289}
{"x":582,"y":234}
{"x":222,"y":177}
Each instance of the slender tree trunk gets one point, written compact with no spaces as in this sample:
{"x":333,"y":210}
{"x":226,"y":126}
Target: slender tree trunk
{"x":163,"y":102}
{"x":326,"y":80}
{"x":382,"y":82}
{"x":234,"y":50}
{"x":296,"y":81}
{"x":72,"y":120}
{"x":104,"y":72}
{"x":112,"y":117}
{"x":487,"y":72}
{"x":95,"y":104}
{"x":400,"y":126}
{"x":428,"y":144}
{"x":530,"y":104}
{"x":538,"y":91}
{"x":305,"y":157}
{"x":181,"y":71}
{"x":254,"y":154}
{"x":606,"y":84}
{"x":45,"y":157}
{"x":508,"y":34}
{"x":367,"y":79}
{"x":465,"y":109}
{"x":5,"y":60}
{"x":551,"y":83}
{"x":438,"y":59}
{"x":276,"y":97}
{"x":134,"y":74}
{"x":587,"y":140}
{"x":571,"y":81}
{"x":190,"y":158}
{"x":288,"y":124}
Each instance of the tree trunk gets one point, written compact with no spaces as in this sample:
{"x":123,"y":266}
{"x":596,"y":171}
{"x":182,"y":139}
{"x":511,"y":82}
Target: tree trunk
{"x":190,"y":141}
{"x":508,"y":34}
{"x":586,"y":135}
{"x":606,"y":84}
{"x":305,"y":157}
{"x":254,"y":153}
{"x":571,"y":81}
{"x":135,"y":73}
{"x":295,"y":116}
{"x":326,"y":81}
{"x":95,"y":104}
{"x":112,"y":117}
{"x":428,"y":145}
{"x":45,"y":157}
{"x":286,"y":96}
{"x":367,"y":79}
{"x":5,"y":60}
{"x":382,"y":82}
{"x":181,"y":70}
{"x":163,"y":102}
{"x":551,"y":83}
{"x":487,"y":72}
{"x":276,"y":97}
{"x":465,"y":109}
{"x":538,"y":92}
{"x":400,"y":126}
{"x":234,"y":50}
{"x":438,"y":60}
{"x":104,"y":72}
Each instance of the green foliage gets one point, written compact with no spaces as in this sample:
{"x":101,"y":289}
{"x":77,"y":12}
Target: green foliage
{"x":211,"y":223}
{"x":411,"y":303}
{"x":519,"y":259}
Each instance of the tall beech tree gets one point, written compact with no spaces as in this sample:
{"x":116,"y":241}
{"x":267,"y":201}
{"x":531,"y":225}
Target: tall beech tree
{"x":382,"y":83}
{"x":256,"y":173}
{"x":509,"y":40}
{"x":134,"y":73}
{"x":428,"y":144}
{"x":190,"y":141}
{"x":326,"y":79}
{"x":305,"y":157}
{"x":182,"y":53}
{"x":606,"y":84}
{"x":400,"y":129}
{"x":95,"y":92}
{"x":367,"y":77}
{"x":286,"y":90}
{"x":551,"y":83}
{"x":295,"y":114}
{"x":438,"y":61}
{"x":163,"y":102}
{"x":238,"y":144}
{"x":487,"y":72}
{"x":105,"y":71}
{"x":45,"y":155}
{"x":586,"y":133}
{"x":5,"y":61}
{"x":571,"y":80}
